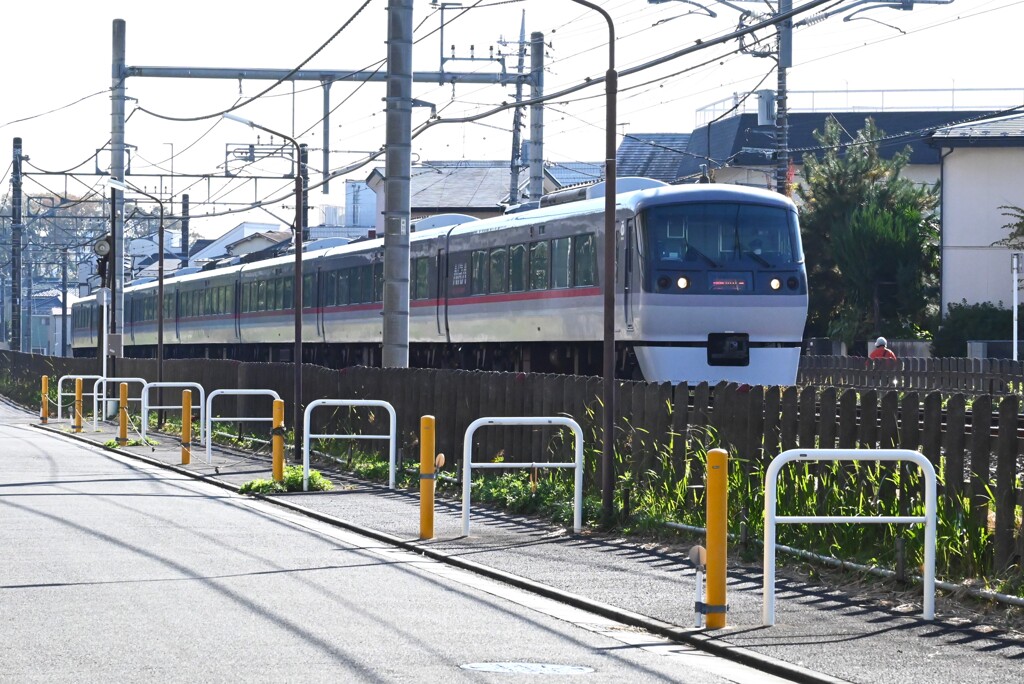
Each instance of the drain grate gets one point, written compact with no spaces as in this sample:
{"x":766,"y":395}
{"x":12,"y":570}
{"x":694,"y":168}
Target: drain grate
{"x":528,"y":668}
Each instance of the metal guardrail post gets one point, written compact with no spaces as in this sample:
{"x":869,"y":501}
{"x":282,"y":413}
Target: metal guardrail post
{"x":206,"y":416}
{"x":717,"y":502}
{"x":771,"y":503}
{"x":44,"y":408}
{"x":427,"y":477}
{"x":468,"y":465}
{"x":122,"y":415}
{"x":391,"y":436}
{"x":277,"y":441}
{"x":186,"y":427}
{"x":78,"y":405}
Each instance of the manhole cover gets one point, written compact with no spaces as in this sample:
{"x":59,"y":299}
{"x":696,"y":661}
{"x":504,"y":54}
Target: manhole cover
{"x":528,"y":668}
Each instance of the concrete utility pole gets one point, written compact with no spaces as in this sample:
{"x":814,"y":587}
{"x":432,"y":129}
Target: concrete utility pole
{"x":117,"y":174}
{"x":16,"y":228}
{"x":517,"y":119}
{"x":536,"y":116}
{"x":398,"y":165}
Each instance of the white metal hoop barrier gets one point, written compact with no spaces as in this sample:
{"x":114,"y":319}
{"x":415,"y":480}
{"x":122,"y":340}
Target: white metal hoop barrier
{"x":61,"y":393}
{"x":770,"y":517}
{"x":392,"y":431}
{"x":221,"y":419}
{"x":104,"y":401}
{"x":147,"y":407}
{"x":468,"y":465}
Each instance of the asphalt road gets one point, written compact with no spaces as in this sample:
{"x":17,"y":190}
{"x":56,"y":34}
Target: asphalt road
{"x":115,"y":570}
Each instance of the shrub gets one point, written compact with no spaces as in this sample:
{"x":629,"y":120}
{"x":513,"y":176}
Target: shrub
{"x":985,"y":321}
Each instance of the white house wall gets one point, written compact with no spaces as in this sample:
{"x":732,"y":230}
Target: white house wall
{"x":976,"y":182}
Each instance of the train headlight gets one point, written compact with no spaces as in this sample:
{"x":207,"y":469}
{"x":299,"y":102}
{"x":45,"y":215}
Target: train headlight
{"x":683,"y":282}
{"x":793,"y":283}
{"x":663,"y":283}
{"x":775,"y":284}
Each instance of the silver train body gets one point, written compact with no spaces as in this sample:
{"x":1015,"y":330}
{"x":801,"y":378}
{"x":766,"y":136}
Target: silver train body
{"x":710,"y":286}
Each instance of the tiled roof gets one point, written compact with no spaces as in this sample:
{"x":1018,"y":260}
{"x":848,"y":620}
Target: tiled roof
{"x":651,"y":155}
{"x":739,"y":141}
{"x":998,"y":132}
{"x":456,"y":185}
{"x":574,"y":173}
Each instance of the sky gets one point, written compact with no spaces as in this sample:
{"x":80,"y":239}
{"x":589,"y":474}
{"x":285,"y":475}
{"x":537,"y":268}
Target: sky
{"x":55,"y":59}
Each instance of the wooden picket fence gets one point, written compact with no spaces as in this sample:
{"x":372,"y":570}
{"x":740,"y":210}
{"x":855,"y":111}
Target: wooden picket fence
{"x":970,"y":376}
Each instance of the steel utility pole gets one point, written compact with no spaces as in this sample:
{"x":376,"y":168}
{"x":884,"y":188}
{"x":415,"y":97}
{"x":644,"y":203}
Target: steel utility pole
{"x":785,"y":57}
{"x":16,"y":228}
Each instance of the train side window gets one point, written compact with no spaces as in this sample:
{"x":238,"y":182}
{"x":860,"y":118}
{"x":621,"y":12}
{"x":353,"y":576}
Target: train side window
{"x":584,"y":260}
{"x":279,"y":300}
{"x":344,"y":277}
{"x":288,"y":292}
{"x":365,"y":284}
{"x":246,"y":291}
{"x":229,"y":299}
{"x":261,"y":295}
{"x":539,"y":263}
{"x":518,"y":268}
{"x":421,"y":286}
{"x":499,"y":270}
{"x":378,"y":282}
{"x":331,"y":289}
{"x":458,"y":274}
{"x":308,"y":290}
{"x":478,"y":279}
{"x":355,"y":289}
{"x":561,"y":263}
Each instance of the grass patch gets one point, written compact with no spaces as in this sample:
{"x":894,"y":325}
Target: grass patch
{"x":113,"y":444}
{"x":292,"y":483}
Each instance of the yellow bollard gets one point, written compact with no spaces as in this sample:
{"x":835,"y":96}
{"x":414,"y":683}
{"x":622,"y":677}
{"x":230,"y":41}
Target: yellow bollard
{"x":277,"y":440}
{"x":427,"y":477}
{"x":186,"y":427}
{"x":44,"y":410}
{"x":122,"y":416}
{"x":717,"y":494}
{"x":78,"y":405}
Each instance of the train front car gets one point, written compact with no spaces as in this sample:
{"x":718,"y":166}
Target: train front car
{"x":717,"y":285}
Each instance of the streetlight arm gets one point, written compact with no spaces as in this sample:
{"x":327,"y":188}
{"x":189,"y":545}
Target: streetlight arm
{"x":611,"y":29}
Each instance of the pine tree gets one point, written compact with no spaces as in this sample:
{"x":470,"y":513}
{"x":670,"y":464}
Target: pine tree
{"x":870,"y":238}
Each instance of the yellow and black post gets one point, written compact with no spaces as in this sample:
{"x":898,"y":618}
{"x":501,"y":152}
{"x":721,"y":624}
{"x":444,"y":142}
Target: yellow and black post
{"x":717,"y":537}
{"x":427,"y":477}
{"x":44,"y":409}
{"x":78,"y":405}
{"x":277,"y":441}
{"x":122,"y":416}
{"x":186,"y":427}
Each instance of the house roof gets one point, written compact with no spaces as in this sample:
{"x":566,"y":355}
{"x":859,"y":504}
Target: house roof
{"x":651,"y":155}
{"x":447,"y":185}
{"x":739,"y":141}
{"x":1004,"y":131}
{"x":574,"y":173}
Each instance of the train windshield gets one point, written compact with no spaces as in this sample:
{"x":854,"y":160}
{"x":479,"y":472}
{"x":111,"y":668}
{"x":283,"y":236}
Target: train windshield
{"x":721,"y":234}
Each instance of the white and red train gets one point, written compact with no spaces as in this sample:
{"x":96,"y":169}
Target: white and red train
{"x":710,"y":286}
